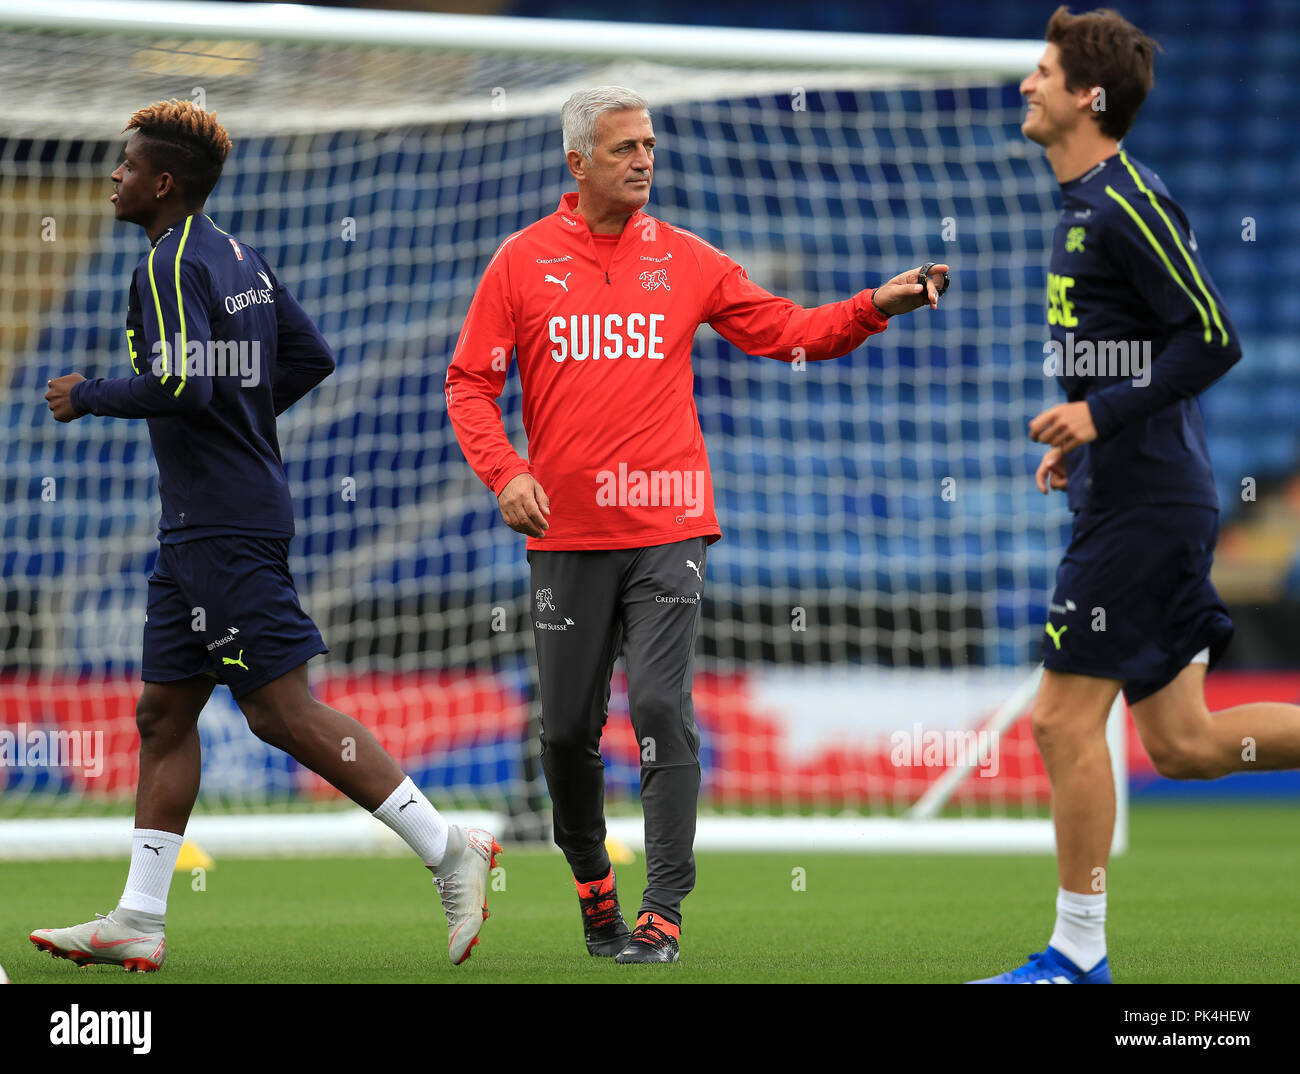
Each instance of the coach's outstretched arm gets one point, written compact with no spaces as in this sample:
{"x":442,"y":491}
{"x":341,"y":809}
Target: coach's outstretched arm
{"x":759,"y":322}
{"x":903,"y":293}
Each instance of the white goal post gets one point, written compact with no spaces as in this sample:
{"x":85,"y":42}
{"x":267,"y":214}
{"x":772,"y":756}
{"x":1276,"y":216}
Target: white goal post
{"x":876,"y":604}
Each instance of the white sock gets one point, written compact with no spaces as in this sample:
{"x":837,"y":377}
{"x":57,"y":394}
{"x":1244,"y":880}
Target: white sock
{"x":410,"y":814}
{"x":1080,"y":933}
{"x":153,"y":860}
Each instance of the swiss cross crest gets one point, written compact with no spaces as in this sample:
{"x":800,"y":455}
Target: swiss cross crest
{"x":653,"y":279}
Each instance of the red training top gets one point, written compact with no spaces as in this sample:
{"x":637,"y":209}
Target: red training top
{"x":605,"y":364}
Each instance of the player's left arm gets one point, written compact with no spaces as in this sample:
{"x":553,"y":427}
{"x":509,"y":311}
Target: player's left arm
{"x":302,"y":357}
{"x":174,"y":295}
{"x":1147,"y":240}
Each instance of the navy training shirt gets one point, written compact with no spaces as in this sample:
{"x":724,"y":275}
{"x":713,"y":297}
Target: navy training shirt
{"x":218,"y":347}
{"x":1138,"y":330}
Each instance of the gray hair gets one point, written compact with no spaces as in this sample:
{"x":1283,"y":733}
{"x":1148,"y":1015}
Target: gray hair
{"x":581,"y":111}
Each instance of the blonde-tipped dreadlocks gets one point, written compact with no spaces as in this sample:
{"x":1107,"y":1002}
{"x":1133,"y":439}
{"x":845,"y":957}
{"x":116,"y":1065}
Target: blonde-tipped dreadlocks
{"x":181,"y":138}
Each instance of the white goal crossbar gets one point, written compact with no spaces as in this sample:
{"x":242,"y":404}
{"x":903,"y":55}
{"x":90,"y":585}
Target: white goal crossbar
{"x":534,"y":37}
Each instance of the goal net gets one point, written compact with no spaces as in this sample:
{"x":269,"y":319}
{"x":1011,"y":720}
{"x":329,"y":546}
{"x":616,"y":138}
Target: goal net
{"x":874,"y":609}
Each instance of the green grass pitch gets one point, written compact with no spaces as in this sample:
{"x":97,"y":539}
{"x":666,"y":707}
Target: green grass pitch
{"x":1207,"y":893}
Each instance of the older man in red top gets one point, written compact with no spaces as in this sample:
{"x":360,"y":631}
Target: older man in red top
{"x":599,"y":302}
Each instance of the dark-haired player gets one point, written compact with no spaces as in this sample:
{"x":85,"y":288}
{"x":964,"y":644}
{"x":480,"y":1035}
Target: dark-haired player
{"x":217,"y":348}
{"x":1138,"y":331}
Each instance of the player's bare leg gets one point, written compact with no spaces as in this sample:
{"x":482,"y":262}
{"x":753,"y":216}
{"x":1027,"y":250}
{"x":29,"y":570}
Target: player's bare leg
{"x":332,"y":744}
{"x":345,"y":753}
{"x":132,"y":935}
{"x":1070,"y":728}
{"x":167,"y":717}
{"x":1069,"y":722}
{"x":1187,"y":741}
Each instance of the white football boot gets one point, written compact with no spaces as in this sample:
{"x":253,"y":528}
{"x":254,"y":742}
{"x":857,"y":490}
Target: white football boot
{"x":462,"y":881}
{"x":113,"y":939}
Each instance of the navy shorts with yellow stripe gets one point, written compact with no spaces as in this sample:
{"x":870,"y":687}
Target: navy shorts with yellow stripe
{"x":1133,"y":598}
{"x":226,"y":607}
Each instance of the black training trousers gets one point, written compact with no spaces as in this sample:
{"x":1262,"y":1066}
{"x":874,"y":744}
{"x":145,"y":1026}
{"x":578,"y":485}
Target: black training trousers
{"x":587,"y":607}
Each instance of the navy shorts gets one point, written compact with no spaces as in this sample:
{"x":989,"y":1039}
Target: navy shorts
{"x":1133,"y":597}
{"x":226,"y":607}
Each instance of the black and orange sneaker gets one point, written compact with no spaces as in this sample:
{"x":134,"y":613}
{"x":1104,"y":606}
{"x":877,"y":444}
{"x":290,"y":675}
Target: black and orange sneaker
{"x":653,"y":940}
{"x":602,"y":921}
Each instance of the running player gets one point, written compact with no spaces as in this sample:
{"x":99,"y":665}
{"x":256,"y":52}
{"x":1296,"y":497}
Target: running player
{"x":218,"y":347}
{"x":1138,"y":331}
{"x":599,"y":302}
